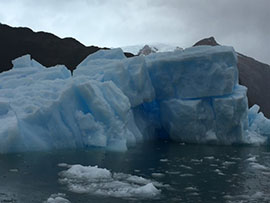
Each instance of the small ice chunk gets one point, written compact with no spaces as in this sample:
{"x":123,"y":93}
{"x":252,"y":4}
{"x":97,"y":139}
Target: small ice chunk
{"x":235,"y":158}
{"x":258,"y":123}
{"x":191,"y":189}
{"x":258,"y":166}
{"x":64,"y":165}
{"x":147,"y":191}
{"x":173,"y":172}
{"x":214,"y":165}
{"x":57,"y":198}
{"x":252,"y":159}
{"x":15,"y":170}
{"x":209,"y":157}
{"x":157,"y":175}
{"x":185,"y":167}
{"x":219,"y":172}
{"x":227,"y":163}
{"x":194,"y":194}
{"x":186,"y":175}
{"x":196,"y":160}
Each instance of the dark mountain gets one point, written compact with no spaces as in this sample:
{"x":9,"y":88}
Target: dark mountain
{"x":207,"y":41}
{"x":252,"y":74}
{"x":46,"y":48}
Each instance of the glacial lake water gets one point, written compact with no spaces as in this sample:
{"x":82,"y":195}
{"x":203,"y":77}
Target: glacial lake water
{"x":189,"y":173}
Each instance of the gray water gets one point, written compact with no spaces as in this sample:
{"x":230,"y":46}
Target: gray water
{"x":191,"y":173}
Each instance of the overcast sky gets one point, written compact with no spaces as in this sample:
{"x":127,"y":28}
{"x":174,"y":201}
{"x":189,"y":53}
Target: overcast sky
{"x":244,"y":24}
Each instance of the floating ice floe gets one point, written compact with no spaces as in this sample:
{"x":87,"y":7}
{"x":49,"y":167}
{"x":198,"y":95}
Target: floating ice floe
{"x":100,"y":181}
{"x":57,"y":198}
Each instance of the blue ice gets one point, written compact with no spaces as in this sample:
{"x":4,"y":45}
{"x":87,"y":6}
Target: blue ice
{"x":114,"y":102}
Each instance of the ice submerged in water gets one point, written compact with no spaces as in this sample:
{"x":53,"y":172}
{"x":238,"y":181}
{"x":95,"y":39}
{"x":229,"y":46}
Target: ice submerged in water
{"x":114,"y":102}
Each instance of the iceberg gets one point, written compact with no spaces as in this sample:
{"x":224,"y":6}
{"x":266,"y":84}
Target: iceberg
{"x":114,"y":102}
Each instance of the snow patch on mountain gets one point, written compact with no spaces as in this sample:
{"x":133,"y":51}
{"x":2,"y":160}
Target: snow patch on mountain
{"x":146,"y":49}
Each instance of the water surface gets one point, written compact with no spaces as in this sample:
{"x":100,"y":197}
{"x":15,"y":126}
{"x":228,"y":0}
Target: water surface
{"x":189,"y":173}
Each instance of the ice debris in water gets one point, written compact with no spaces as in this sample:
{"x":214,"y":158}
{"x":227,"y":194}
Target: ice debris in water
{"x":114,"y":102}
{"x":258,"y":166}
{"x":251,"y":159}
{"x":258,"y":124}
{"x":101,"y":181}
{"x":253,"y":163}
{"x":57,"y":198}
{"x":256,"y":197}
{"x":158,"y":175}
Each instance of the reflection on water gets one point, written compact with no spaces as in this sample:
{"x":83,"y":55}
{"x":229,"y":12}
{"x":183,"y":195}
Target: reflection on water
{"x":191,"y":173}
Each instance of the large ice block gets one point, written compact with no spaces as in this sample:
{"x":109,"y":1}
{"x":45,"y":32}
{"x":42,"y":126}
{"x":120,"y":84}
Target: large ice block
{"x":193,"y":73}
{"x":231,"y":116}
{"x":189,"y":120}
{"x":221,"y":120}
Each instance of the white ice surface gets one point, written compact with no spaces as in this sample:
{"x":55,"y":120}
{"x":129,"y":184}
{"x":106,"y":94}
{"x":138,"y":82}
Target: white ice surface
{"x":57,"y":198}
{"x":102,"y":182}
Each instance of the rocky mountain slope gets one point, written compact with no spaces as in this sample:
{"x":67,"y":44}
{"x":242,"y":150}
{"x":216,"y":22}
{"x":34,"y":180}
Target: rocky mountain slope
{"x":46,"y":48}
{"x":252,"y":74}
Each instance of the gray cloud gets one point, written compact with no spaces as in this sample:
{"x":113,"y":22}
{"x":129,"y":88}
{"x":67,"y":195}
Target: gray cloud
{"x":243,"y":24}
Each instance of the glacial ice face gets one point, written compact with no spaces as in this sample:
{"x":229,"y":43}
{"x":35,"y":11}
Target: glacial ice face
{"x":114,"y":102}
{"x":221,"y":120}
{"x":193,"y":73}
{"x":129,"y":75}
{"x":188,"y":120}
{"x":231,"y":118}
